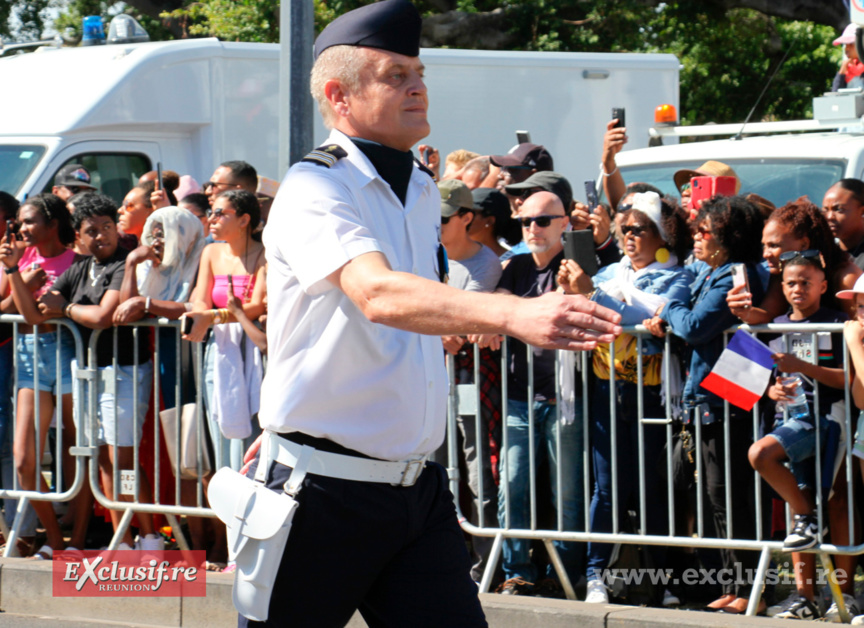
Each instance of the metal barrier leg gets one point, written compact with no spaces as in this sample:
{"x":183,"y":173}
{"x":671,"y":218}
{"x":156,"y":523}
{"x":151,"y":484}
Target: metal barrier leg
{"x":759,"y":581}
{"x":4,"y":527}
{"x":559,"y":569}
{"x":182,"y":543}
{"x":12,"y":538}
{"x":121,"y":528}
{"x":492,"y":563}
{"x":836,"y":593}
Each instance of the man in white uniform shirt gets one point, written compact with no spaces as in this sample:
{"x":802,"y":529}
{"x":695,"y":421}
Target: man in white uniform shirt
{"x":356,"y":315}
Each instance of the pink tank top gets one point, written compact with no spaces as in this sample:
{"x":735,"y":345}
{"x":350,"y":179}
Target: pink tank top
{"x":243,"y":286}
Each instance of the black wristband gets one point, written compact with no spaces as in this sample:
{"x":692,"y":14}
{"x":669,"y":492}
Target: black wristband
{"x":14,"y":269}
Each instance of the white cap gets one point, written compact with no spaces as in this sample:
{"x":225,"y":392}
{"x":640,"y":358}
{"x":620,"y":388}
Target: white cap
{"x":858,"y":288}
{"x":649,"y":204}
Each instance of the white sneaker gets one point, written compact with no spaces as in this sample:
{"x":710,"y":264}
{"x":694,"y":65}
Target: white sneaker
{"x":783,"y":606}
{"x":858,"y":620}
{"x":151,"y":543}
{"x":595,"y":592}
{"x":670,"y":599}
{"x":832,"y":615}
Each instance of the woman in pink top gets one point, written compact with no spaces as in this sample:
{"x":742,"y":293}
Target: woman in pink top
{"x":46,"y":230}
{"x":232,"y":362}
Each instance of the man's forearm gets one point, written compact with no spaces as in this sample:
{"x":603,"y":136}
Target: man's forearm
{"x":412,"y":303}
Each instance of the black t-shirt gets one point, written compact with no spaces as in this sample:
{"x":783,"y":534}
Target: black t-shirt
{"x":524,"y":279}
{"x":829,"y":353}
{"x":85,"y":282}
{"x":858,"y":255}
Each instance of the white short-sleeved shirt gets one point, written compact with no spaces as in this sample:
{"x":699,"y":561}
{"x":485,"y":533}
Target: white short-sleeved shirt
{"x":331,"y":373}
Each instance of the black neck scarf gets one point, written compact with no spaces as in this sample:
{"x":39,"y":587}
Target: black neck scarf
{"x":394,"y":166}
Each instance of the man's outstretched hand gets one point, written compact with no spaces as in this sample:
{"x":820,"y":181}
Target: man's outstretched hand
{"x":559,"y":321}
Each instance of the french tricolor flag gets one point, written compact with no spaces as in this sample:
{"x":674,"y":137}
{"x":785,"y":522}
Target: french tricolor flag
{"x":743,"y":371}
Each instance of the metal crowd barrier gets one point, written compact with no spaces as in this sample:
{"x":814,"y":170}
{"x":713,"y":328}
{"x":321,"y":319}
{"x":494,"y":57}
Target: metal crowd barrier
{"x":465,"y":400}
{"x":58,"y":494}
{"x":129,"y":481}
{"x":86,"y":447}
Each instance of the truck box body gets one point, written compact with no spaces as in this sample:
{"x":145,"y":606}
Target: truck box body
{"x":192,"y":104}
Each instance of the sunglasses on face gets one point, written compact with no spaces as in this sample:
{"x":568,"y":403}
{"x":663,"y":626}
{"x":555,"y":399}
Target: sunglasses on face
{"x":636,"y":230}
{"x":685,"y":188}
{"x":542,"y":221}
{"x":219,"y":212}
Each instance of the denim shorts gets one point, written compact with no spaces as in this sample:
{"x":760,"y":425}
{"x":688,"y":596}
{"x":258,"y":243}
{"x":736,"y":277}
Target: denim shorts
{"x":798,"y":439}
{"x":47,"y":368}
{"x":127,"y":428}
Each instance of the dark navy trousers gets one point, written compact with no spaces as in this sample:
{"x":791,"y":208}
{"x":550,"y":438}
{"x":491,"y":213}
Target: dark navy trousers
{"x":395,"y":553}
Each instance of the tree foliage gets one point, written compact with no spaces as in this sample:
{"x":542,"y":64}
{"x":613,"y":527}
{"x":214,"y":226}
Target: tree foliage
{"x":728,"y":49}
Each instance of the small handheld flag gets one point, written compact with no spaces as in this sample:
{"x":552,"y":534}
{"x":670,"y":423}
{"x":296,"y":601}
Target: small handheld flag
{"x":742,"y":372}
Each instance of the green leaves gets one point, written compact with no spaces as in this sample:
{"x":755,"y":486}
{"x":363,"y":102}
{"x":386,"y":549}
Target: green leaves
{"x":727,"y":56}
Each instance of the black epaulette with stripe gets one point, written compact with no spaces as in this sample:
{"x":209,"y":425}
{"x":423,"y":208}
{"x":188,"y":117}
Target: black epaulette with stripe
{"x":326,"y":156}
{"x":424,"y":168}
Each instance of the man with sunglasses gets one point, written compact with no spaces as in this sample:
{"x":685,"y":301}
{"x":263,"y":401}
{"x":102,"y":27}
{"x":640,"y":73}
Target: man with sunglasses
{"x":544,"y":220}
{"x":70,"y":180}
{"x":231,"y":175}
{"x":356,"y":382}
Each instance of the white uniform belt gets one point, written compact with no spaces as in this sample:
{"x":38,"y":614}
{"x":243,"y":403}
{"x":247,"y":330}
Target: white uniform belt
{"x":402,"y":473}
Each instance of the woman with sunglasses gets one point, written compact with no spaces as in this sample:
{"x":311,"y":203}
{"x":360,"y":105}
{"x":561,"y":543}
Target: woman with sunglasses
{"x":797,"y":226}
{"x":235,"y":262}
{"x":655,"y":237}
{"x":728,"y":230}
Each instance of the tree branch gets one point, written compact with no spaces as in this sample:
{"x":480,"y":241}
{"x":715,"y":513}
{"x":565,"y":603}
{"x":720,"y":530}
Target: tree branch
{"x":458,"y":29}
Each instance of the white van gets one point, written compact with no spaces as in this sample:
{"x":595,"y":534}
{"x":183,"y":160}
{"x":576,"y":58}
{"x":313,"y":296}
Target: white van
{"x":192,"y":104}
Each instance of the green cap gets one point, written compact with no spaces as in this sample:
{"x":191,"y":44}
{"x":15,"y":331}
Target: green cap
{"x":455,"y":195}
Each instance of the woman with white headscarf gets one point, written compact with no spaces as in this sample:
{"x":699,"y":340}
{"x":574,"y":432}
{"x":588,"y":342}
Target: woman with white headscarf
{"x":655,"y":239}
{"x":158,"y":281}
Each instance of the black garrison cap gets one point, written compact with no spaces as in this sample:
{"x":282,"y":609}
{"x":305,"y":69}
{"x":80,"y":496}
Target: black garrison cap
{"x":392,"y":25}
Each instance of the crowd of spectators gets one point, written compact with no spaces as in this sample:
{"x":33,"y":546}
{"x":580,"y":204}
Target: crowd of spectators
{"x":666,"y":263}
{"x":74,"y":254}
{"x":192,"y":253}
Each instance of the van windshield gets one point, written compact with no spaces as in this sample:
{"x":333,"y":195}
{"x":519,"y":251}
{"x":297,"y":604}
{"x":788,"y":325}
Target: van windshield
{"x":16,"y":164}
{"x":778,"y":180}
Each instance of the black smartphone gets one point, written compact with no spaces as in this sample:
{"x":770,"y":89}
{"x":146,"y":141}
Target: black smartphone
{"x":618,"y":114}
{"x":186,"y":324}
{"x":159,"y":175}
{"x":579,"y":246}
{"x":427,"y":154}
{"x":523,"y":137}
{"x":11,"y":229}
{"x":591,"y":195}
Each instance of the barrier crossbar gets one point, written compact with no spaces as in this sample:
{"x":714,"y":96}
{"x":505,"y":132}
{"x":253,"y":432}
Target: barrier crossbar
{"x":465,"y":403}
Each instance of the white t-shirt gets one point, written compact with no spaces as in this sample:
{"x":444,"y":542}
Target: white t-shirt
{"x":331,"y":373}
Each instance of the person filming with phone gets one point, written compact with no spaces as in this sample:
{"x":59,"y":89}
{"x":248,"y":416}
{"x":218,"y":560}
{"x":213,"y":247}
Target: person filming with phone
{"x":655,"y":239}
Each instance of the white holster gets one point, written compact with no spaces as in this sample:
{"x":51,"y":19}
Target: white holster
{"x":258,"y":520}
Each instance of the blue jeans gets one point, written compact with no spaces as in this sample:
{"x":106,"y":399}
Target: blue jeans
{"x":515,"y":473}
{"x":627,"y":450}
{"x":7,"y":463}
